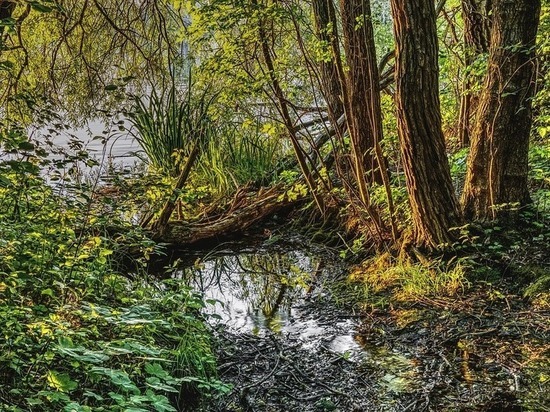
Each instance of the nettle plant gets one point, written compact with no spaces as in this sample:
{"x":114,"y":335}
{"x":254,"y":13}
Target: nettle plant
{"x":78,"y":334}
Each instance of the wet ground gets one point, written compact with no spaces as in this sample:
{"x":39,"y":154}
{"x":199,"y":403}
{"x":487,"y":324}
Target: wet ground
{"x":285,"y":345}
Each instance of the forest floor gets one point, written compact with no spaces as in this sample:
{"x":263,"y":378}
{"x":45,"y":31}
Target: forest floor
{"x":485,"y":349}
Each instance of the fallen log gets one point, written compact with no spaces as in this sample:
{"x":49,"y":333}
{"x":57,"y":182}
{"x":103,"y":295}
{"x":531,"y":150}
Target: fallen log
{"x":245,"y":211}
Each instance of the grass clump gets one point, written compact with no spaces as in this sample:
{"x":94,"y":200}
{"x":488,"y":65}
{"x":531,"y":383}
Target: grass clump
{"x":242,"y":153}
{"x":169,"y":124}
{"x":406,"y":281}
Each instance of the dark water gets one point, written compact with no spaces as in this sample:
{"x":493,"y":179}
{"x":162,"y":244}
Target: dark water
{"x":279,"y":324}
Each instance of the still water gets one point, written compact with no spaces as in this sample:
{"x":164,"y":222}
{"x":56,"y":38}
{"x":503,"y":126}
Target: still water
{"x":274,"y":293}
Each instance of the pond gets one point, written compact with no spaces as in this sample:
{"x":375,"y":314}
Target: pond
{"x":285,"y":344}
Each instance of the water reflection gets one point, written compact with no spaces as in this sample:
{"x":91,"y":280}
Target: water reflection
{"x":254,"y":292}
{"x":276,"y":292}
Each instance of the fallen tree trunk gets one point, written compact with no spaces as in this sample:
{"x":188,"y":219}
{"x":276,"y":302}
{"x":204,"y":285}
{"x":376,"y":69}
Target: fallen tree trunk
{"x":246,"y":210}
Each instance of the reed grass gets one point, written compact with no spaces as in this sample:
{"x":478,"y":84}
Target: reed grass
{"x":170,"y":122}
{"x":239,"y":156}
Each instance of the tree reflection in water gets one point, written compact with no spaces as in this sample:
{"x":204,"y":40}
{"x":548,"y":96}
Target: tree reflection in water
{"x":254,"y":292}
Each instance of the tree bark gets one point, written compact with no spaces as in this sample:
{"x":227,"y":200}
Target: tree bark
{"x":327,"y":31}
{"x":362,"y":85}
{"x":475,"y":14}
{"x":433,"y":204}
{"x":498,"y":162}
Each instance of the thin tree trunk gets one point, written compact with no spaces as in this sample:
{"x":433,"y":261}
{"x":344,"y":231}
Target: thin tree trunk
{"x":362,"y":84}
{"x":350,"y":97}
{"x":161,"y":223}
{"x":498,"y":162}
{"x":475,"y":14}
{"x":433,"y":204}
{"x":285,"y":114}
{"x":327,"y":31}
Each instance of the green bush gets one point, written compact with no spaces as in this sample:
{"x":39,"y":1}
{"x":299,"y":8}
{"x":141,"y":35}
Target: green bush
{"x":76,"y":334}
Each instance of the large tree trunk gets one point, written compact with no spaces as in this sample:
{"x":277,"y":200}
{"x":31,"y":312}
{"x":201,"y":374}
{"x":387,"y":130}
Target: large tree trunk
{"x":433,"y":204}
{"x":498,"y":162}
{"x":327,"y":31}
{"x":476,"y":16}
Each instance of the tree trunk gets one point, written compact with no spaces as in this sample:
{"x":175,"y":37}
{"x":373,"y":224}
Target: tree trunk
{"x":327,"y":32}
{"x":362,"y":85}
{"x":498,"y":162}
{"x":433,"y":204}
{"x":475,"y":14}
{"x":282,"y":106}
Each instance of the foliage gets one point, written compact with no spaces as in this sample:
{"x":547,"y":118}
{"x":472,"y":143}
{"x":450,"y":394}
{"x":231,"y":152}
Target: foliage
{"x":541,"y":102}
{"x":407,"y":281}
{"x":73,"y":52}
{"x":242,"y":153}
{"x":170,"y":124}
{"x":77,"y":334}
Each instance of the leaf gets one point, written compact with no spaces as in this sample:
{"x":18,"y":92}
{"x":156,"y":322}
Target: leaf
{"x":26,"y":146}
{"x":85,"y":355}
{"x":119,"y":378}
{"x":76,"y":407}
{"x":111,"y":87}
{"x":156,"y":369}
{"x":61,"y":381}
{"x":42,"y":8}
{"x":6,"y":64}
{"x":47,"y":292}
{"x":155,"y":383}
{"x":4,"y":181}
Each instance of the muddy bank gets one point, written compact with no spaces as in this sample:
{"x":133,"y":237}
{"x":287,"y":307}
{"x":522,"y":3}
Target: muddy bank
{"x":285,"y":344}
{"x":487,"y":350}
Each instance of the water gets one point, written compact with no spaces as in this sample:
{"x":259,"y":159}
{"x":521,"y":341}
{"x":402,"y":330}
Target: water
{"x":284,"y":344}
{"x":98,"y":148}
{"x":276,"y":293}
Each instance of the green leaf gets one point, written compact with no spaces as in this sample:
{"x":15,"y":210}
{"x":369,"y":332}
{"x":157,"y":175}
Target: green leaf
{"x":118,"y":378}
{"x":76,"y":407}
{"x":61,"y":381}
{"x":47,"y":292}
{"x":26,"y":146}
{"x":4,"y":181}
{"x":155,"y":383}
{"x":42,"y":8}
{"x":156,"y":369}
{"x":84,"y":355}
{"x":6,"y":64}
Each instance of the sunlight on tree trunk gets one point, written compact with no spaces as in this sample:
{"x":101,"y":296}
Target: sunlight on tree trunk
{"x":431,"y":195}
{"x":498,"y":162}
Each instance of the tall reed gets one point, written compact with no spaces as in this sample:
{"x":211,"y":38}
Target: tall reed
{"x":237,"y":156}
{"x":168,"y":124}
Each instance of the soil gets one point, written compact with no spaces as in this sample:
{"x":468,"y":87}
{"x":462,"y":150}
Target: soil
{"x":485,"y":350}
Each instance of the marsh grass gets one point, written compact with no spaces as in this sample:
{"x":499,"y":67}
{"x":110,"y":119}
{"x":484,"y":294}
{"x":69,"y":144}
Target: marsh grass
{"x":169,"y":123}
{"x":237,"y":156}
{"x":406,"y":281}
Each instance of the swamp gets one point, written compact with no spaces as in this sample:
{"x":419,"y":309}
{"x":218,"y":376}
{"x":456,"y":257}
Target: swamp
{"x":274,"y":205}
